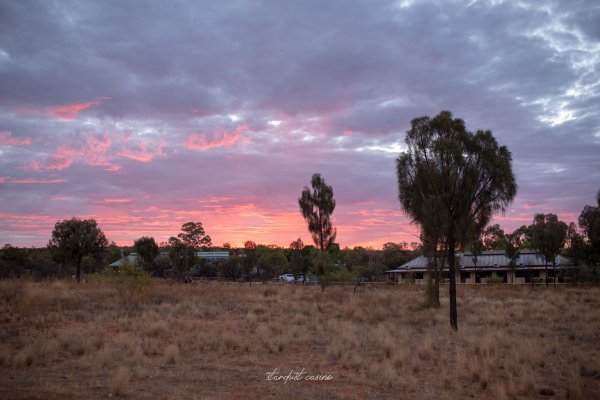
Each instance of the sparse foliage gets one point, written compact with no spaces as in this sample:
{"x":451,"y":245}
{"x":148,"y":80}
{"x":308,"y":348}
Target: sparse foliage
{"x":147,"y":249}
{"x":13,"y":261}
{"x":194,"y":236}
{"x":73,"y":239}
{"x":451,"y":182}
{"x":548,"y":236}
{"x":494,"y":238}
{"x":589,"y":222}
{"x":317,"y":207}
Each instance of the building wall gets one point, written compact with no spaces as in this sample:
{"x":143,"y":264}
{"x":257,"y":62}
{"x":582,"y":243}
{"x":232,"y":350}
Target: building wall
{"x":468,"y":277}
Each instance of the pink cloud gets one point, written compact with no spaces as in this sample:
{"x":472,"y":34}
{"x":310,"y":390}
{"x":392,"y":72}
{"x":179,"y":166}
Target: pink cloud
{"x":115,"y":201}
{"x":100,"y":150}
{"x":36,"y":181}
{"x":56,"y":162}
{"x":93,"y":151}
{"x":217,"y":138}
{"x":7,"y":139}
{"x":145,"y":151}
{"x":71,"y":111}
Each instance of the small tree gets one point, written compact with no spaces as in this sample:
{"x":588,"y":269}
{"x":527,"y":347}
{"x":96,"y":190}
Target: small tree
{"x":147,"y":249}
{"x":477,"y":248}
{"x":512,"y":251}
{"x":249,"y":263}
{"x":393,"y":254}
{"x":548,"y":236}
{"x":194,"y":236}
{"x":298,"y":263}
{"x":73,"y":239}
{"x":575,"y":249}
{"x":589,"y":222}
{"x":13,"y":261}
{"x":182,"y":256}
{"x":317,"y":207}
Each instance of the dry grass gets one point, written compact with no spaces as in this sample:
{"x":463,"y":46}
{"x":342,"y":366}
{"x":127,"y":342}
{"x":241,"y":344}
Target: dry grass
{"x":63,"y":340}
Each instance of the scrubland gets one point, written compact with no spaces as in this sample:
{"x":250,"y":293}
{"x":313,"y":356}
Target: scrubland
{"x":63,"y":340}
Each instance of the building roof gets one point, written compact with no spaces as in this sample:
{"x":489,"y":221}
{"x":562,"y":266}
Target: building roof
{"x":494,"y":259}
{"x":213,"y":254}
{"x":133,"y":258}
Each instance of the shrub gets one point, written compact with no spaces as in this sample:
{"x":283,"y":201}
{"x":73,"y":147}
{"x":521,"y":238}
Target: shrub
{"x":131,"y":281}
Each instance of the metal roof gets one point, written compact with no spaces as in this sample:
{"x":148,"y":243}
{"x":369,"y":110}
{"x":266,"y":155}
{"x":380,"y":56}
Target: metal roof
{"x":488,"y":259}
{"x":212,"y":254}
{"x":132,"y":258}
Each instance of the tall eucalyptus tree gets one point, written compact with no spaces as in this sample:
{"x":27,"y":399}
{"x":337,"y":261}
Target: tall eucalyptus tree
{"x":450,"y":183}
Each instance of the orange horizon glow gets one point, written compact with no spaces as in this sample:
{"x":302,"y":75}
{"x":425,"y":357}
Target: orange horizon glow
{"x":234,"y":224}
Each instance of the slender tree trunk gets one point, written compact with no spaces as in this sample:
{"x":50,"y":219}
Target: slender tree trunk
{"x":452,"y":272}
{"x":546,"y":274}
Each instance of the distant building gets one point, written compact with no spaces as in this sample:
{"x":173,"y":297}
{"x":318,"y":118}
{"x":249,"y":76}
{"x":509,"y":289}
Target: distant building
{"x":492,"y":266}
{"x":213,"y":255}
{"x":132,"y":258}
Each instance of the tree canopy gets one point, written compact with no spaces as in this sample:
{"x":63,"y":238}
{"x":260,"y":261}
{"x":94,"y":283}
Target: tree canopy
{"x":317,"y":207}
{"x":450,"y":183}
{"x":147,"y":248}
{"x":548,"y":236}
{"x":74,"y":239}
{"x":193,"y":235}
{"x":589,"y":221}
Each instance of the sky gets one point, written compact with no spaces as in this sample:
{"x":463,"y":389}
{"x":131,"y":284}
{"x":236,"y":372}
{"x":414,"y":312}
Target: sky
{"x":145,"y":115}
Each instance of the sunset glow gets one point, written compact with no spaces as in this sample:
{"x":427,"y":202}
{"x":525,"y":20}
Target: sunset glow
{"x":200,"y":116}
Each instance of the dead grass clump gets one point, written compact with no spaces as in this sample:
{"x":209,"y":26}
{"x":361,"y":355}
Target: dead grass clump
{"x":24,"y":358}
{"x":32,"y":304}
{"x":426,"y":348}
{"x":230,"y":342}
{"x":11,"y":291}
{"x":158,"y":329}
{"x":118,"y":384}
{"x":526,"y":382}
{"x":574,"y":387}
{"x":335,"y":351}
{"x":499,"y":391}
{"x":386,"y":342}
{"x":251,"y":321}
{"x":5,"y":357}
{"x":76,"y":341}
{"x":103,"y":357}
{"x":171,"y":354}
{"x":39,"y":352}
{"x":383,"y":373}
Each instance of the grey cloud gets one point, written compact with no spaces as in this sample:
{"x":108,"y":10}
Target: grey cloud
{"x":321,"y":67}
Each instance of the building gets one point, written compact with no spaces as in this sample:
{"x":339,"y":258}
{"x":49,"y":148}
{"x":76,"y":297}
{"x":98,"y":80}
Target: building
{"x":490,"y":267}
{"x":213,"y":255}
{"x":132,"y":258}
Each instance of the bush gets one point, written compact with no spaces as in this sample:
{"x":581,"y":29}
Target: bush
{"x":341,"y":275}
{"x":133,"y":277}
{"x":132,"y":282}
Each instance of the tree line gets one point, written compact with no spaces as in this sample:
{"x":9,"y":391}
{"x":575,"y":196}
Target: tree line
{"x":177,"y":257}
